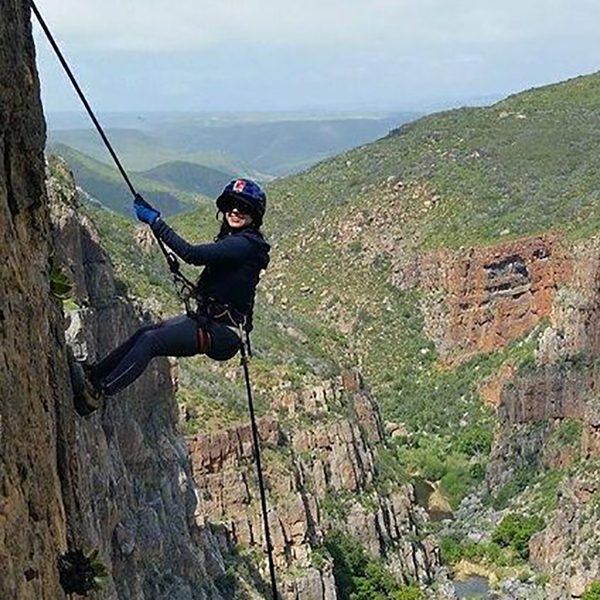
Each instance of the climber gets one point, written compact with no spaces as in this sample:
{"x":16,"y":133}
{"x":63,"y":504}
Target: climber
{"x":224,"y":293}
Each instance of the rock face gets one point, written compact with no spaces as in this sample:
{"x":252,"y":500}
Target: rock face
{"x":119,"y":481}
{"x":32,"y":520}
{"x":560,"y":388}
{"x":320,"y":468}
{"x":482,"y":298}
{"x":125,"y":475}
{"x":561,"y":383}
{"x":566,"y":549}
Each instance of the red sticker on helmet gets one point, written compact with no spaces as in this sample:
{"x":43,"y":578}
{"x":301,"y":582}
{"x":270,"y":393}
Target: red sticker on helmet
{"x":239,"y":185}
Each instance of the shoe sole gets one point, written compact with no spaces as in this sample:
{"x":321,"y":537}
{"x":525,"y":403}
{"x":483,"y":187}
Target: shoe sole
{"x":85,"y":399}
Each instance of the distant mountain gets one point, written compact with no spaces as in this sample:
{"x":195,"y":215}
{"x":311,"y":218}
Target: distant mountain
{"x":190,"y":177}
{"x":142,"y":150}
{"x":138,"y":150}
{"x":278,"y":147}
{"x":257,"y":146}
{"x":104,"y":184}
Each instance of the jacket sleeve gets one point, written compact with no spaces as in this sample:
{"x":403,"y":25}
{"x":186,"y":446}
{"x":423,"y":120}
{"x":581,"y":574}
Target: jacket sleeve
{"x":232,"y":249}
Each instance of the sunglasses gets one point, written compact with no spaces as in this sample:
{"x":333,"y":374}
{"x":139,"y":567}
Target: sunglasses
{"x":241,"y":207}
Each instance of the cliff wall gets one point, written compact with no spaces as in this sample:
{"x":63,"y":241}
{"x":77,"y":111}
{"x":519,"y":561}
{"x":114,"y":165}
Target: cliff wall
{"x":32,"y":517}
{"x":120,"y":481}
{"x":126,"y":482}
{"x":320,"y":463}
{"x":480,"y":299}
{"x":561,"y":388}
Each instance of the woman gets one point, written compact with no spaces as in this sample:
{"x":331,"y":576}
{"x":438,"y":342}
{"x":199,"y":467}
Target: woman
{"x":225,"y":290}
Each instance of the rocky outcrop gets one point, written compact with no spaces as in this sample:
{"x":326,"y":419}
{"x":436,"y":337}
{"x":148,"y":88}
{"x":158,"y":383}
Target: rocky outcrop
{"x":125,"y":475}
{"x":561,"y":384}
{"x":567,"y":548}
{"x":118,"y":482}
{"x":480,"y":299}
{"x":32,"y":518}
{"x":320,"y":466}
{"x":558,"y":391}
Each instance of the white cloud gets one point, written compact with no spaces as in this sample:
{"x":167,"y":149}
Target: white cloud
{"x":260,"y":54}
{"x":187,"y":25}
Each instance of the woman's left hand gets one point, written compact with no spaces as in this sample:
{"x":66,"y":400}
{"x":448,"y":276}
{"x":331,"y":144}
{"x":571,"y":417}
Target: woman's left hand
{"x":144,"y":211}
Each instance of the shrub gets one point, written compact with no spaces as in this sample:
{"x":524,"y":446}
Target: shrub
{"x":359,"y":577}
{"x":454,"y":550}
{"x":592,"y":592}
{"x":473,"y":441}
{"x":515,"y":531}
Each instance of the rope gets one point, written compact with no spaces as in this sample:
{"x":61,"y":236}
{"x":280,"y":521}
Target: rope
{"x":261,"y":483}
{"x":179,"y":279}
{"x":172,"y":261}
{"x":81,"y":95}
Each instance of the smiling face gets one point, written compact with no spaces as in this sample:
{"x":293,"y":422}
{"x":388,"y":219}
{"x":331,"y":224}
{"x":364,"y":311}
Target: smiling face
{"x":237,"y":217}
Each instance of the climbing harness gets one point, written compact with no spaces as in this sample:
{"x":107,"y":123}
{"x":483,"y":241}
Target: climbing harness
{"x":187,"y":291}
{"x":224,"y":313}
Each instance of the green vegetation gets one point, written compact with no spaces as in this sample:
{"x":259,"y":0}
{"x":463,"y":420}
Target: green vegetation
{"x":545,"y":491}
{"x":104,"y":184}
{"x":82,"y":572}
{"x":568,"y":433}
{"x":358,"y":577}
{"x":60,"y":284}
{"x":508,"y":547}
{"x":432,"y":458}
{"x":592,"y":592}
{"x":489,"y":553}
{"x":539,"y":486}
{"x":515,"y":531}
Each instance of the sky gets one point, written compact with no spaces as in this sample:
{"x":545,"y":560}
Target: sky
{"x":329,"y":55}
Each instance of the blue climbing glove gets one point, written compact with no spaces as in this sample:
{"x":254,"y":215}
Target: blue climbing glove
{"x":144,"y":211}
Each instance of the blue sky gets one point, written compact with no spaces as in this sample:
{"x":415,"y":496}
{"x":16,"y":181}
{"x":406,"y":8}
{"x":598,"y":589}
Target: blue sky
{"x":210,"y":55}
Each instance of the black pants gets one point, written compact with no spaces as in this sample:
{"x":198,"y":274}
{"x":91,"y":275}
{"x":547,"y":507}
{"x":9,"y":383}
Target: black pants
{"x":178,"y":336}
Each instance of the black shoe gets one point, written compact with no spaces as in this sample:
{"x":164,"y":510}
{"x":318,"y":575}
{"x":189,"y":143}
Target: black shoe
{"x":87,"y":397}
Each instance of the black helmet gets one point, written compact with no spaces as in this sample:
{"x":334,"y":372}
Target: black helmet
{"x":248,"y":193}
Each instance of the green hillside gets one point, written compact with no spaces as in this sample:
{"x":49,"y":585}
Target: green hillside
{"x":527,"y":164}
{"x":190,"y":177}
{"x":104,"y":184}
{"x":143,"y":150}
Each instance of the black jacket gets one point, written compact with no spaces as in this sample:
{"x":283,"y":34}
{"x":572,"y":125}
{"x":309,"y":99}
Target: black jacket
{"x":232,"y":264}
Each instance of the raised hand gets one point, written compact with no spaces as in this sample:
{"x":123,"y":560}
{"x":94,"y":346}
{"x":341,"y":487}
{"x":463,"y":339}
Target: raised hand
{"x":144,"y":211}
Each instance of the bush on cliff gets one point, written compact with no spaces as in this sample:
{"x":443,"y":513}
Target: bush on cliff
{"x":515,"y":531}
{"x":359,"y":577}
{"x":592,"y":592}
